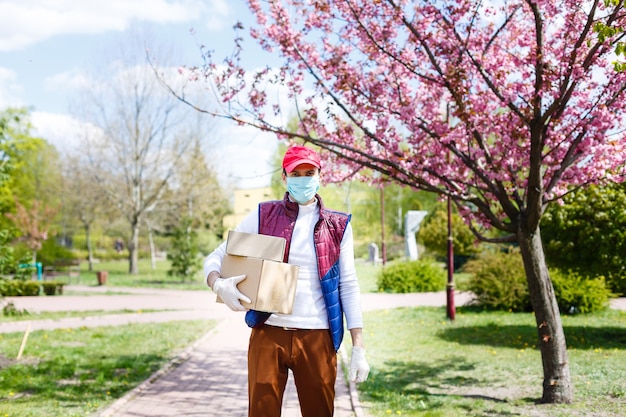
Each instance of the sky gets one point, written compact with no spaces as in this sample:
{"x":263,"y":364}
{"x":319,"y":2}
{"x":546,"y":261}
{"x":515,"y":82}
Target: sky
{"x":46,"y":46}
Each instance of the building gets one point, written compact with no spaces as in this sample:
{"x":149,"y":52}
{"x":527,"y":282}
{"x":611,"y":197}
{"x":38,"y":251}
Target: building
{"x":245,"y":201}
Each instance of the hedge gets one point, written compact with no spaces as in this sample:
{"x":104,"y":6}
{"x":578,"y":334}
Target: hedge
{"x":15,"y":288}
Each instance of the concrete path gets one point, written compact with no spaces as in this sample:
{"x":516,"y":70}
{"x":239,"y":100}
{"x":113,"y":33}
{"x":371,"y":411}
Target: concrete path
{"x":209,"y":378}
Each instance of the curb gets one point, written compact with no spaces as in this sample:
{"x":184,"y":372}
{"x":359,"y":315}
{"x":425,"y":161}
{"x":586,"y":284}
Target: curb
{"x":354,"y":393}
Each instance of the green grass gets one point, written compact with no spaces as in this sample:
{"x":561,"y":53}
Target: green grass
{"x":487,"y":364}
{"x":367,"y":273}
{"x":483,"y":364}
{"x":148,"y":278}
{"x":58,"y":315}
{"x":76,"y":372}
{"x":118,"y":276}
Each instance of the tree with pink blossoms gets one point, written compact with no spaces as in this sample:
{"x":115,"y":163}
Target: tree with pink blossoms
{"x":504,"y":107}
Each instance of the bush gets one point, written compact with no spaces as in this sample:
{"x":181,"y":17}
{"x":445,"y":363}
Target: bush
{"x":15,"y":288}
{"x":577,"y":294}
{"x":433,"y":234}
{"x":423,"y":275}
{"x":184,"y":255}
{"x":51,"y":251}
{"x":586,"y":234}
{"x":498,"y":281}
{"x":9,"y":310}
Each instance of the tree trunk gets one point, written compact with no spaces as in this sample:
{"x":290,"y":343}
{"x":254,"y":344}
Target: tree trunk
{"x":89,"y":248}
{"x":133,"y":249}
{"x":152,"y":250}
{"x":557,"y":385}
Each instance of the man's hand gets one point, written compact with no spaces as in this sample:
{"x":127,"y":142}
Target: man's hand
{"x":226,"y":289}
{"x":359,"y":369}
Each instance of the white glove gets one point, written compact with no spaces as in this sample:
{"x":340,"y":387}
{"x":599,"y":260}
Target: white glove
{"x":226,"y":289}
{"x":359,"y":369}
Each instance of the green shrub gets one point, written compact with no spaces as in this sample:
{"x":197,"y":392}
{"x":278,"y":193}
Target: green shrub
{"x":433,"y":234}
{"x":16,"y":287}
{"x":423,"y":275}
{"x":498,"y":281}
{"x":53,"y":287}
{"x":578,"y":294}
{"x":184,"y":256}
{"x":51,"y":251}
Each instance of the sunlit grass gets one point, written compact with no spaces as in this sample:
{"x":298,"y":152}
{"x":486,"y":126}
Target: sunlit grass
{"x":119,"y":276}
{"x":59,"y":315}
{"x":75,"y":372}
{"x":487,"y":364}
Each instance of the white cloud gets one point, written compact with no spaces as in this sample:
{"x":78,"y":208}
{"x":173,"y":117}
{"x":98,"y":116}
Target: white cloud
{"x":241,"y":156}
{"x":60,"y":130}
{"x":71,"y":80}
{"x":25,"y":22}
{"x":246,"y":157}
{"x":10,"y":91}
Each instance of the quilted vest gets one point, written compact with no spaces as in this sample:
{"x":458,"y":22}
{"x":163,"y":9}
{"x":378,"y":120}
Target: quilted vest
{"x":278,"y":218}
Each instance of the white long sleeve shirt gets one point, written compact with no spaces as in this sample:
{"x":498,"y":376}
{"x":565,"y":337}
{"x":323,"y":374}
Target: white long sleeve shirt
{"x":309,"y":311}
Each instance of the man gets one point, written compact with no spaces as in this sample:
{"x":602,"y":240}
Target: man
{"x":320,"y":242}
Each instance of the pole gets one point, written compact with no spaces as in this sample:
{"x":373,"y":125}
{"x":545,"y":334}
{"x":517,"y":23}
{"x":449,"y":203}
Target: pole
{"x":24,"y":339}
{"x":382,"y":226}
{"x":450,"y":309}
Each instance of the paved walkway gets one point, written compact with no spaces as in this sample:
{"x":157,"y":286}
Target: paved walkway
{"x":209,"y":378}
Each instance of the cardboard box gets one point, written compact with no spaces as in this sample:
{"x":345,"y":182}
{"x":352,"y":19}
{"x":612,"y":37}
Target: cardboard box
{"x":256,"y":246}
{"x":270,"y":284}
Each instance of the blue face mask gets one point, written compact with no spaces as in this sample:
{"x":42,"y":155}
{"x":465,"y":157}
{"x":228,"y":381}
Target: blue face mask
{"x":303,"y":189}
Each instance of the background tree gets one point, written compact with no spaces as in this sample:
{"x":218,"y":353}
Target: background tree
{"x":536,"y":109}
{"x":82,"y":197}
{"x":433,"y":233}
{"x":30,"y":164}
{"x":138,"y":139}
{"x":185,"y":252}
{"x":10,"y":121}
{"x":586,"y":234}
{"x":33,"y":224}
{"x":196,"y":193}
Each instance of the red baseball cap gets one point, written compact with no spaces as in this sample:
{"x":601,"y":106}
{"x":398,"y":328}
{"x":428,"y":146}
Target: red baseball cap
{"x":298,"y":155}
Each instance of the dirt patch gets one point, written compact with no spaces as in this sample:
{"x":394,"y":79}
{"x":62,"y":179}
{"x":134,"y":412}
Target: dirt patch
{"x":7,"y":362}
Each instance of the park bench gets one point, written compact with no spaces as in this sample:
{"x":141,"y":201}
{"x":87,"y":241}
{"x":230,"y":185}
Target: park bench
{"x":63,"y":267}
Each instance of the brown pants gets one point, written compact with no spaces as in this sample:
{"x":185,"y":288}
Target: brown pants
{"x":309,"y":354}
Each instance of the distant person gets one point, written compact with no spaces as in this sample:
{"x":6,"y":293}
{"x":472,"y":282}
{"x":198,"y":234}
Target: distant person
{"x":320,"y":242}
{"x":119,"y":245}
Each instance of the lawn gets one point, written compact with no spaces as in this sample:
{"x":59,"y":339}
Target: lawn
{"x":75,"y":372}
{"x":147,"y":277}
{"x":487,"y":364}
{"x":59,"y":315}
{"x":483,"y":364}
{"x":118,"y":276}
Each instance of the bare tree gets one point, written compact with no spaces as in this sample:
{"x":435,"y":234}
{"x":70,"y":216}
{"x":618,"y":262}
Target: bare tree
{"x":138,"y":138}
{"x":82,"y":197}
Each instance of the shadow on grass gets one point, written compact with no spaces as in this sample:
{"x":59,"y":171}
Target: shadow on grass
{"x":409,"y":384}
{"x":520,"y":336}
